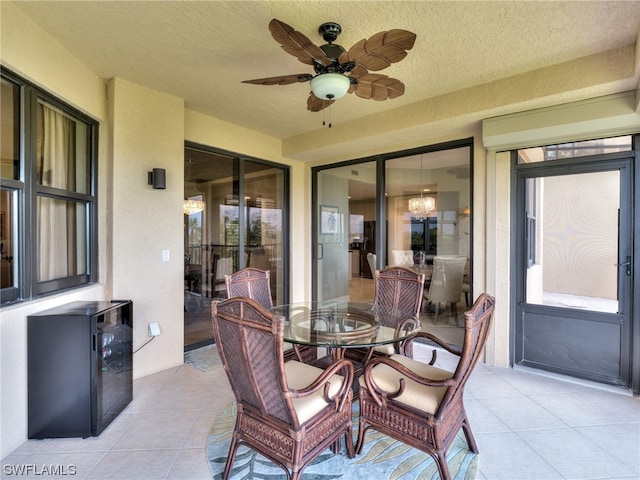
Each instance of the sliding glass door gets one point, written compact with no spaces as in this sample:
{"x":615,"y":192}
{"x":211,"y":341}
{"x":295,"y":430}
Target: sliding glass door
{"x":236,"y":212}
{"x":363,"y":214}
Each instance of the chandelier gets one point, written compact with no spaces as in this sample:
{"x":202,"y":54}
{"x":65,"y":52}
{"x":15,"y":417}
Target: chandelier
{"x":189,"y":207}
{"x":422,"y":206}
{"x":189,"y":204}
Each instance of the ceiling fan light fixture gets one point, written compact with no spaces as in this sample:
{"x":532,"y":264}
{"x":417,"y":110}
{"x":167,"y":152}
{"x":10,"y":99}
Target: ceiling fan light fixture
{"x":330,"y":86}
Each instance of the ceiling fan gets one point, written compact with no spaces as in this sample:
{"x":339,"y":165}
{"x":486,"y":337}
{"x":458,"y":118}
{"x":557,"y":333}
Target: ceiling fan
{"x":338,"y":71}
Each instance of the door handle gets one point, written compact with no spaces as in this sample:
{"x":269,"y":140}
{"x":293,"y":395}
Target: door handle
{"x":625,"y":264}
{"x":320,"y":251}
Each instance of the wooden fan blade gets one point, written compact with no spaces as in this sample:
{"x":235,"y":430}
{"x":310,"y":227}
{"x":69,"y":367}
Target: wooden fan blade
{"x":281,"y":80}
{"x":378,"y":87}
{"x":381,"y":50}
{"x":315,"y":104}
{"x":297,"y":44}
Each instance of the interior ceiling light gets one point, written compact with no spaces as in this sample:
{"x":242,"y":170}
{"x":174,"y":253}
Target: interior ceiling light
{"x":189,"y":205}
{"x":422,"y":206}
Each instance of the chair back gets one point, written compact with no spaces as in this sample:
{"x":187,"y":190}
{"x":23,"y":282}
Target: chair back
{"x":242,"y":327}
{"x":446,"y":280}
{"x":477,"y":325}
{"x":399,"y":288}
{"x":252,"y":283}
{"x":402,"y":258}
{"x":222,"y":266}
{"x":371,"y":258}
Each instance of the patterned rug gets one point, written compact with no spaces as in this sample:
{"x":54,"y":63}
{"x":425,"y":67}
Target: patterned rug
{"x":204,"y":358}
{"x":382,"y":458}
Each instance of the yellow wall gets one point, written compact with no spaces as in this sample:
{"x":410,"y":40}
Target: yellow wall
{"x":141,"y":129}
{"x":147,"y":132}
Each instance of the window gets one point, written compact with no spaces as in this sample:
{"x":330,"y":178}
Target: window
{"x":573,"y":150}
{"x":47,"y":193}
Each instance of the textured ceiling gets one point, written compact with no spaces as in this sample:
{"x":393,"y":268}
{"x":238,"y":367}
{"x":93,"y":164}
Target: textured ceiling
{"x":201,"y":51}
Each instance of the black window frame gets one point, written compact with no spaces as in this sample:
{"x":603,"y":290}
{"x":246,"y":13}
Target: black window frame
{"x":26,"y":285}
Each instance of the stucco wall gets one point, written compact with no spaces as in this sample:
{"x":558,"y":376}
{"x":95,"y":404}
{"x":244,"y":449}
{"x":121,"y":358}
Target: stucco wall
{"x":147,"y":132}
{"x":30,"y":52}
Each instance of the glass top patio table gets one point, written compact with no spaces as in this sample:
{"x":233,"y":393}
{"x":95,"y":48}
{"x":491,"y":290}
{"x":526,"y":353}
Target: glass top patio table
{"x":344,"y":324}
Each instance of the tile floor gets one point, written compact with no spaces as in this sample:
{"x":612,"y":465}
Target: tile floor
{"x":528,"y":426}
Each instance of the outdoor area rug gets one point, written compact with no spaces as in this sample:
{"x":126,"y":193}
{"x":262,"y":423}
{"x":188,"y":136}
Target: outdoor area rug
{"x":204,"y":358}
{"x":382,"y":458}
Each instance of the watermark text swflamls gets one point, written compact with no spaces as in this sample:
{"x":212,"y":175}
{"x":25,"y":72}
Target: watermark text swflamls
{"x":19,"y":469}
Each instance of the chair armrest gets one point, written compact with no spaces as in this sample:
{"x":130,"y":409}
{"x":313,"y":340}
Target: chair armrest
{"x":380,"y":395}
{"x":408,"y":344}
{"x":342,"y":367}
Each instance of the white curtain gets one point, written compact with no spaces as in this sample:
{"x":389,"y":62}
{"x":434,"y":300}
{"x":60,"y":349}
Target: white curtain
{"x":57,"y":239}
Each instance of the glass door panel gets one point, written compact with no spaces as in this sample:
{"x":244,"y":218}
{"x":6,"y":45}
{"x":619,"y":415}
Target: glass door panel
{"x":264,"y":206}
{"x":574,"y":268}
{"x":235,"y":211}
{"x":573,"y":240}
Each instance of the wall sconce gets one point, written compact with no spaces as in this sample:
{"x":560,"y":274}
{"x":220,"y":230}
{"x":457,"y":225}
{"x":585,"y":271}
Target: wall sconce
{"x":157,"y":178}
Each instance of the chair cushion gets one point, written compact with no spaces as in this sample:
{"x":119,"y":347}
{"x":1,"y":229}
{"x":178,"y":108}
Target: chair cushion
{"x":300,"y":375}
{"x":387,"y":349}
{"x":421,"y":397}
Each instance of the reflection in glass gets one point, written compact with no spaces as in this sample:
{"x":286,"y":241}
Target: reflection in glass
{"x":62,"y":239}
{"x":575,"y":149}
{"x":7,"y":239}
{"x":10,"y":139}
{"x":62,"y":151}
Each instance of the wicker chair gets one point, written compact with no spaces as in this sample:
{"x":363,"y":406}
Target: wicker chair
{"x":289,"y":412}
{"x":396,"y":288}
{"x":256,"y":285}
{"x":419,"y":404}
{"x":252,"y":283}
{"x":446,"y":282}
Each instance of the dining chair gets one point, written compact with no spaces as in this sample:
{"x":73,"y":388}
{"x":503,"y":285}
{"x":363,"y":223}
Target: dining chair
{"x":250,"y":282}
{"x":222,"y":266}
{"x":402,"y":258}
{"x":446,"y":282}
{"x":288,"y":412}
{"x":396,"y":289}
{"x":419,"y":404}
{"x":371,"y":258}
{"x":256,"y":285}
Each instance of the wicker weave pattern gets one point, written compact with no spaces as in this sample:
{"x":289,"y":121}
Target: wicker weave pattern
{"x":400,"y":288}
{"x":431,"y":433}
{"x":250,"y":344}
{"x":252,"y":283}
{"x":256,"y":285}
{"x":270,"y":438}
{"x":396,"y":288}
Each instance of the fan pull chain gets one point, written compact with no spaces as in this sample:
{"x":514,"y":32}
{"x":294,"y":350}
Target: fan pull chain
{"x":324,"y":115}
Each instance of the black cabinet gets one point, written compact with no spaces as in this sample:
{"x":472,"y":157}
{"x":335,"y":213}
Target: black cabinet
{"x":80,"y":367}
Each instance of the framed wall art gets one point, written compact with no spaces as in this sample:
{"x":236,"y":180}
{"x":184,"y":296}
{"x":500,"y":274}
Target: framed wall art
{"x":329,"y":220}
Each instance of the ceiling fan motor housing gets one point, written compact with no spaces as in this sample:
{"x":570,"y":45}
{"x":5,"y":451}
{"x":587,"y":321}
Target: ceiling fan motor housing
{"x":330,"y":31}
